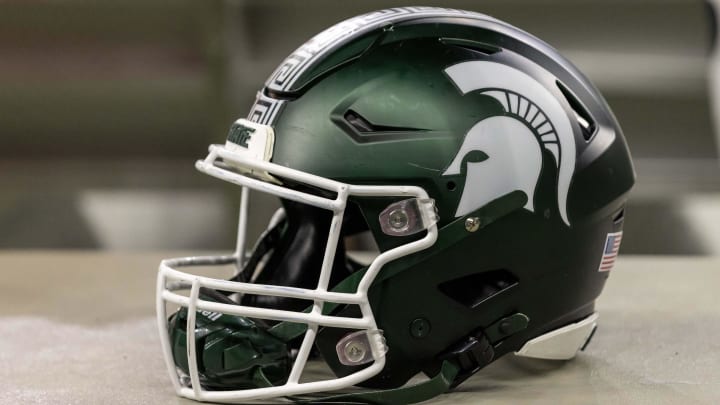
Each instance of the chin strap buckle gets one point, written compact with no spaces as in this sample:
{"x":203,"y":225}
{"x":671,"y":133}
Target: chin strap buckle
{"x":470,"y":355}
{"x":477,"y":350}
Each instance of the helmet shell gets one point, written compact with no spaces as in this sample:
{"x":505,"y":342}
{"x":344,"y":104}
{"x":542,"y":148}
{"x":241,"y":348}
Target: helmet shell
{"x":373,"y":101}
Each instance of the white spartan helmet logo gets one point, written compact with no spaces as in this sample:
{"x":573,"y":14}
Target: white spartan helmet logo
{"x":513,"y":149}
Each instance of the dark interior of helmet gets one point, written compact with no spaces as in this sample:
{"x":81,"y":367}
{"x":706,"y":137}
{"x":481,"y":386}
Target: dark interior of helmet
{"x":291,"y":254}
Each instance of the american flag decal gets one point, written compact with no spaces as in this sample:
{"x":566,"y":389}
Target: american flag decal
{"x":610,"y":252}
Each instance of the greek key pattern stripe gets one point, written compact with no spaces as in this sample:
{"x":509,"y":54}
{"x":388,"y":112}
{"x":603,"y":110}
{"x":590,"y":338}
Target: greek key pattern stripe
{"x":327,"y":41}
{"x":266,"y":109}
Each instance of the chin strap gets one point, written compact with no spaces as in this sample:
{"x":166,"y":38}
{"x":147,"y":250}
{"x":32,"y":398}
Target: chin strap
{"x":404,"y":395}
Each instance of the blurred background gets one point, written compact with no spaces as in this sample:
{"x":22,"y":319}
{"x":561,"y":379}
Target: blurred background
{"x":105,"y":106}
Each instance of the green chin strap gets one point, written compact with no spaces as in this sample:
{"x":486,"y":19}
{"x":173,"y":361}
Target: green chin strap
{"x":411,"y":394}
{"x":404,"y":395}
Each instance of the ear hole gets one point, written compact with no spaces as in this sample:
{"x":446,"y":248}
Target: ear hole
{"x":583,"y":117}
{"x":474,"y":289}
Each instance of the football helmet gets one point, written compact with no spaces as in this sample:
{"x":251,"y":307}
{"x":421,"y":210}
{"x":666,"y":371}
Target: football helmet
{"x":490,"y":173}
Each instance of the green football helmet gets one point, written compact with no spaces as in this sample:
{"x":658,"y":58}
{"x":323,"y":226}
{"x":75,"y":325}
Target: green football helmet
{"x":490,"y":173}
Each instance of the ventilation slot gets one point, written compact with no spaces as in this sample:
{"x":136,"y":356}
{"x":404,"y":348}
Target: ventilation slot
{"x":475,"y":289}
{"x":474,"y":46}
{"x":619,"y":217}
{"x":584,"y":119}
{"x":362,"y":125}
{"x":358,"y":122}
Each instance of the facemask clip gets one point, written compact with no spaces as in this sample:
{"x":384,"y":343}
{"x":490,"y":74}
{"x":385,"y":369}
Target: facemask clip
{"x":408,"y":217}
{"x":357,"y":348}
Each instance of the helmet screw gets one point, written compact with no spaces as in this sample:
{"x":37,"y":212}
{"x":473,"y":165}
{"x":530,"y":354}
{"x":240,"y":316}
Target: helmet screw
{"x":398,"y":219}
{"x":420,"y":328}
{"x":472,"y":224}
{"x":505,"y":327}
{"x":354,"y":351}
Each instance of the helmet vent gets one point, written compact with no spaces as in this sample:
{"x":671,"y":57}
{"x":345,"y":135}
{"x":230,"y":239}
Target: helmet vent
{"x":619,"y":217}
{"x":583,"y":117}
{"x":362,"y":125}
{"x":474,"y":289}
{"x":358,"y":122}
{"x":474,"y":46}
